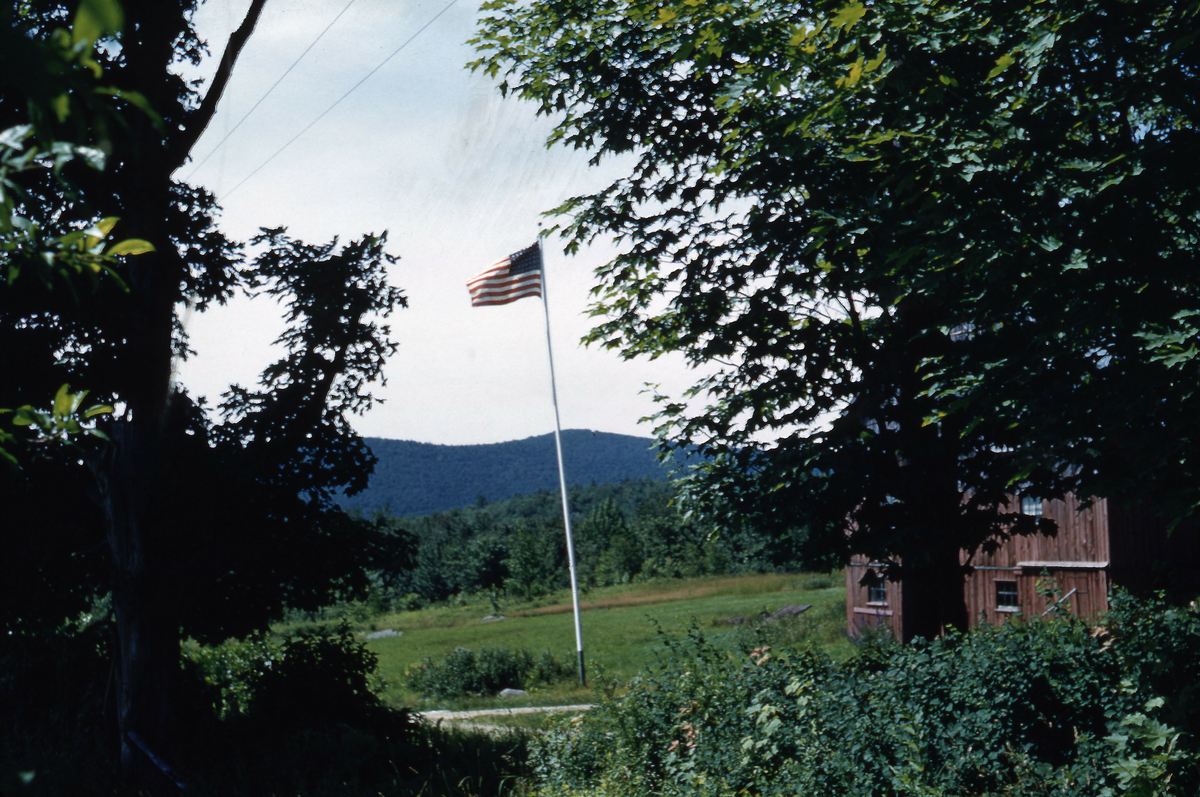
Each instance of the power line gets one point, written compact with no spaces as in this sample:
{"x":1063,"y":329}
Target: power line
{"x":268,"y":92}
{"x":339,"y":99}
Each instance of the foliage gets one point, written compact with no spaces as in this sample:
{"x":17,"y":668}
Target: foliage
{"x":624,"y":532}
{"x":63,"y":419}
{"x":54,"y":695}
{"x":321,"y":676}
{"x":619,"y":625}
{"x":229,"y":670}
{"x":69,"y":114}
{"x":1036,"y":708}
{"x":918,"y":251}
{"x":209,"y":528}
{"x":823,"y":626}
{"x":56,"y":78}
{"x":536,"y":562}
{"x":486,"y":671}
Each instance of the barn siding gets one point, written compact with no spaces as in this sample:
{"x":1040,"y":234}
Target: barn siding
{"x":1086,"y":555}
{"x":1082,"y":537}
{"x":860,"y":611}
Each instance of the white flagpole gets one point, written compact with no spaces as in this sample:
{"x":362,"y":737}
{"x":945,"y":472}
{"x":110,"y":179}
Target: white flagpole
{"x":562,"y":478}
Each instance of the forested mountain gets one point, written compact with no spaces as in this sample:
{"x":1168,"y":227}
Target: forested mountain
{"x":419,"y":478}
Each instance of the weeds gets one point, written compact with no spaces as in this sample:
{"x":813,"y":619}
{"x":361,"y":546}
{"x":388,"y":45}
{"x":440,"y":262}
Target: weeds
{"x":486,"y":671}
{"x":1045,"y":707}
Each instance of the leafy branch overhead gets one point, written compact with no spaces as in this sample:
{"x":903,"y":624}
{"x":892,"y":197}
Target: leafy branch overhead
{"x":58,"y":82}
{"x":70,"y":112}
{"x":919,"y":250}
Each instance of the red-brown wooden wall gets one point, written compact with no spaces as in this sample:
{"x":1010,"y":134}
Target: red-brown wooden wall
{"x":1092,"y":550}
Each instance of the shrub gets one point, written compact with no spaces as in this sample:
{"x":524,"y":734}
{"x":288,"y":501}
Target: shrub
{"x":321,"y":675}
{"x":313,"y":677}
{"x":673,"y":724}
{"x":486,"y":671}
{"x":53,"y":734}
{"x":1033,"y":708}
{"x":227,"y":672}
{"x":821,"y":625}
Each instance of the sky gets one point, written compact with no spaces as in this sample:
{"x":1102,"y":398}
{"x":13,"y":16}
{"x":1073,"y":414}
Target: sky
{"x":458,"y":177}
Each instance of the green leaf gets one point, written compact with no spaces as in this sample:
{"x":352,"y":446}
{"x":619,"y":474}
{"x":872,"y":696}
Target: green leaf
{"x":92,"y":64}
{"x":849,"y":15}
{"x":130,"y":246}
{"x":137,"y":100}
{"x":94,"y":18}
{"x":14,"y":137}
{"x":62,"y":106}
{"x":97,"y":409}
{"x":1002,"y":63}
{"x":64,"y":401}
{"x":874,"y":63}
{"x":856,"y":70}
{"x":95,"y":158}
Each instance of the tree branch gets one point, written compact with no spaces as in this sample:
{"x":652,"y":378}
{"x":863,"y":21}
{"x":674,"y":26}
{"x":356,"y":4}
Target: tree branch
{"x":181,"y":147}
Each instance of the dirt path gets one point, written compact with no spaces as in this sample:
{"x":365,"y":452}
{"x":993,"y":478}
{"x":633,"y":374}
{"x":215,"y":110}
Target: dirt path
{"x":451,"y":716}
{"x":456,"y":718}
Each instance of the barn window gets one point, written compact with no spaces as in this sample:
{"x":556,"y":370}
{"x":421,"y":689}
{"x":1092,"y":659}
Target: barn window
{"x":1006,"y":596}
{"x":1031,"y":505}
{"x":877,"y":593}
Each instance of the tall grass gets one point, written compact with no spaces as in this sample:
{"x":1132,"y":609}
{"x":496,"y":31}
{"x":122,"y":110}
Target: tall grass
{"x":621,"y":629}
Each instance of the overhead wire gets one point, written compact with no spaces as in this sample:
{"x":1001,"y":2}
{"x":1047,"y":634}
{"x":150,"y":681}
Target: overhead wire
{"x":231,"y":130}
{"x":338,"y":101}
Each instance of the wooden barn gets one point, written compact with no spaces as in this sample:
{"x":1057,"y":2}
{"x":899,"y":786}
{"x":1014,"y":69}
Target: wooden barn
{"x":1093,"y":550}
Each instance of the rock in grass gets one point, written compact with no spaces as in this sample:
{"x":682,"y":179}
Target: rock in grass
{"x":384,"y":634}
{"x":512,"y":693}
{"x":788,"y":611}
{"x":492,"y":618}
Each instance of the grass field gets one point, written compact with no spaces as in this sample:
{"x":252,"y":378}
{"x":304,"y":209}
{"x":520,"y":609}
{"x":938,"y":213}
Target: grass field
{"x":621,"y":628}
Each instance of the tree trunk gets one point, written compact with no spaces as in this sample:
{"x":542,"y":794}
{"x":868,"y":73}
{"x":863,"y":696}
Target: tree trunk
{"x":147,"y":638}
{"x":933,"y":598}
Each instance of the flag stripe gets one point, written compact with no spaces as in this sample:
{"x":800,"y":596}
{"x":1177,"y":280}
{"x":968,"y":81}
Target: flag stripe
{"x":493,"y":287}
{"x":503,"y":280}
{"x":515,"y":277}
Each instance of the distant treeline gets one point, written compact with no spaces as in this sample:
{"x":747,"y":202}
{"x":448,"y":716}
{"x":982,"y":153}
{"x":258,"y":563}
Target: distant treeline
{"x":419,"y":478}
{"x":625,"y":531}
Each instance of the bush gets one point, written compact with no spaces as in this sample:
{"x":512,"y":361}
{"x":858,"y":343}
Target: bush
{"x":822,"y":625}
{"x":54,"y":731}
{"x":228,"y":671}
{"x":314,"y":677}
{"x":322,"y":675}
{"x":1034,"y":708}
{"x":486,"y":671}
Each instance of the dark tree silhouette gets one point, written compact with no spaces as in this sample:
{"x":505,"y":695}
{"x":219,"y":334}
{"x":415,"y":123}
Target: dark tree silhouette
{"x":196,"y":527}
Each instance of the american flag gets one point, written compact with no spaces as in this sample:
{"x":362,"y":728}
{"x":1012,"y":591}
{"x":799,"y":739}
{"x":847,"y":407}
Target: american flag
{"x":515,"y":277}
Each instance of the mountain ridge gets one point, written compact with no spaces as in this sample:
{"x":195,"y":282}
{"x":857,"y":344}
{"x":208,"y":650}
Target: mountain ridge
{"x":414,"y":478}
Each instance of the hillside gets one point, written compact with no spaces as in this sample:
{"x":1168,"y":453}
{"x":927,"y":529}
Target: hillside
{"x":418,"y":478}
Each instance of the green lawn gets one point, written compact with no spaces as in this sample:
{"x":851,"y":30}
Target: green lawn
{"x":620,"y":628}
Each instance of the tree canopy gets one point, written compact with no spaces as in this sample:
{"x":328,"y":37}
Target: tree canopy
{"x":932,"y":253}
{"x":196,"y":523}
